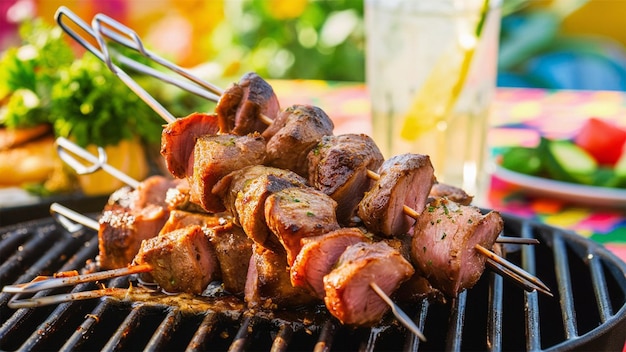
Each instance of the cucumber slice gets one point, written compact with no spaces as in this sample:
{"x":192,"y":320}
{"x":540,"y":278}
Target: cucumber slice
{"x":522,"y":159}
{"x":568,"y":162}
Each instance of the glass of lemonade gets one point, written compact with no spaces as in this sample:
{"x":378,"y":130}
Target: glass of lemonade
{"x":431,"y":73}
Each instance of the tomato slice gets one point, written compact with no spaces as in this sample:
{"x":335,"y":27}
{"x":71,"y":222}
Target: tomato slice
{"x":603,"y":140}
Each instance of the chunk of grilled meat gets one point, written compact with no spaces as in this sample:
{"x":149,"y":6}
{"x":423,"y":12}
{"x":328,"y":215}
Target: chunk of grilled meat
{"x":338,"y":167}
{"x":268,"y":285}
{"x":233,"y":249}
{"x":129,"y":217}
{"x":217,"y":155}
{"x":318,"y":256}
{"x":179,"y":219}
{"x":443,"y":244}
{"x":121,"y":231}
{"x":178,"y":198}
{"x":240,"y":106}
{"x":295,"y":213}
{"x":453,"y":193}
{"x":179,"y":138}
{"x":293,"y":134}
{"x":417,"y":287}
{"x":349,"y":296}
{"x":182,"y":260}
{"x":405,"y":180}
{"x":244,"y":193}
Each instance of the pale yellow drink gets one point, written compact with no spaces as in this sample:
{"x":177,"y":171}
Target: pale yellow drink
{"x":431,"y":67}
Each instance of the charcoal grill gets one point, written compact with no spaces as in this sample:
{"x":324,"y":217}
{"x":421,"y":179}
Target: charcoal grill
{"x":587,"y":312}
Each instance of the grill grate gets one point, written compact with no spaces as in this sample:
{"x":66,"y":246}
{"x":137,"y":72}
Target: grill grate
{"x":587,"y":312}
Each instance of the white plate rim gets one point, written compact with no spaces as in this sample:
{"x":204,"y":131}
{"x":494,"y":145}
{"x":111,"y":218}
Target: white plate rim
{"x":563,"y":190}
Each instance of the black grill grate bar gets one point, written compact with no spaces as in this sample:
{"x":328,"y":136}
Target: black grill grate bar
{"x":241,"y":338}
{"x":59,"y":249}
{"x":494,"y":318}
{"x":454,"y":337}
{"x":599,"y":287}
{"x":282,"y":339}
{"x":11,"y":241}
{"x":131,"y":321}
{"x":369,"y":344}
{"x":327,"y":334}
{"x":563,"y":276}
{"x":53,"y":320}
{"x":412,"y":341}
{"x":165,"y":331}
{"x":533,"y":331}
{"x":33,"y":249}
{"x":86,"y":328}
{"x":204,"y":332}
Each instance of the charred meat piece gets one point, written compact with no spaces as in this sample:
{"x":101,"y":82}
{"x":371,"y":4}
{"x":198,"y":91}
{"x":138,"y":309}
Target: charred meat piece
{"x":241,"y":105}
{"x":214,"y":157}
{"x":182,"y":260}
{"x":453,"y":193}
{"x":405,"y":180}
{"x":443,"y":244}
{"x":244,"y":193}
{"x":178,"y":198}
{"x":295,"y":213}
{"x":338,"y":167}
{"x":179,"y":138}
{"x":293,"y":134}
{"x":417,"y":287}
{"x":318,"y":256}
{"x":121,"y":231}
{"x":268,"y":285}
{"x":179,"y":219}
{"x":153,"y":190}
{"x":233,"y":249}
{"x":129,"y":217}
{"x":349,"y":296}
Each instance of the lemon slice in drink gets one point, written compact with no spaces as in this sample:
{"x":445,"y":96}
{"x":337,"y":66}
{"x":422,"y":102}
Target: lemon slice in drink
{"x":440,"y":91}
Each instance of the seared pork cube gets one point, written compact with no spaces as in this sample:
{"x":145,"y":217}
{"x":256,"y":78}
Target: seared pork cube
{"x":130,"y":216}
{"x":338,"y":167}
{"x":179,"y":219}
{"x":153,"y":190}
{"x":182,"y":260}
{"x":244,"y":193}
{"x":179,"y":138}
{"x":443,"y":244}
{"x":241,"y":105}
{"x":178,"y":198}
{"x":318,"y":256}
{"x":216,"y":156}
{"x":417,"y":287}
{"x":121,"y":231}
{"x":295,"y":213}
{"x":233,"y":249}
{"x":453,"y":193}
{"x":293,"y":134}
{"x":405,"y":180}
{"x":268,"y":285}
{"x":349,"y":296}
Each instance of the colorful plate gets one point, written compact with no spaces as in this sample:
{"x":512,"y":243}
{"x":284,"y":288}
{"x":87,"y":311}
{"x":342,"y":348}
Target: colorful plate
{"x":570,"y":192}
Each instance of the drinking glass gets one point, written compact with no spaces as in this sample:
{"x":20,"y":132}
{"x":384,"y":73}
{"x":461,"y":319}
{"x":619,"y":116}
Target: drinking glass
{"x":431,"y":74}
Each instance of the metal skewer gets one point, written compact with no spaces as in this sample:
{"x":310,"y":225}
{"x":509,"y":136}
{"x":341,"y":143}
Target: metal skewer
{"x":131,"y":39}
{"x":65,"y":147}
{"x":399,"y":313}
{"x":63,"y":14}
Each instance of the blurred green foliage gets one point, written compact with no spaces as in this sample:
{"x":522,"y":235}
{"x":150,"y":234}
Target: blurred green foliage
{"x":293,"y":39}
